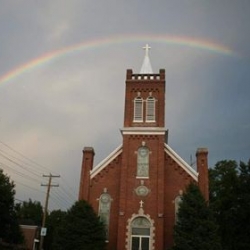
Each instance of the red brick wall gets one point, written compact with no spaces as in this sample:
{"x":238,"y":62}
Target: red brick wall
{"x":135,"y":84}
{"x":202,"y":168}
{"x":166,"y":177}
{"x":153,"y":203}
{"x":29,"y":233}
{"x":108,"y":178}
{"x":87,"y":165}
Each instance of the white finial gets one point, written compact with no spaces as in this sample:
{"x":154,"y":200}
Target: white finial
{"x":147,"y":48}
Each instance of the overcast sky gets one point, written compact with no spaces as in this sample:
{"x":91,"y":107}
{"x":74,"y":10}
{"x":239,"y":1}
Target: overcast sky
{"x":62,"y":81}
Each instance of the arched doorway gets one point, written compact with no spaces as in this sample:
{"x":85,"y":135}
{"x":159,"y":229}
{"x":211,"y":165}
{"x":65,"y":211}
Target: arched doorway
{"x":140,"y":234}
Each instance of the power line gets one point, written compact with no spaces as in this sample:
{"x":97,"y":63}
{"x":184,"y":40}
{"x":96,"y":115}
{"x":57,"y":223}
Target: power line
{"x":64,"y":203}
{"x":73,"y":197}
{"x":69,"y":191}
{"x":28,"y":166}
{"x":57,"y":195}
{"x":41,"y":167}
{"x":74,"y":192}
{"x":32,"y":188}
{"x":19,"y":173}
{"x":25,"y":157}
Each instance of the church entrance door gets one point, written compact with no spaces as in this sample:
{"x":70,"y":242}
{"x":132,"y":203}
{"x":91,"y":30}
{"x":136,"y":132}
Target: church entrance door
{"x":140,"y":243}
{"x":140,"y":237}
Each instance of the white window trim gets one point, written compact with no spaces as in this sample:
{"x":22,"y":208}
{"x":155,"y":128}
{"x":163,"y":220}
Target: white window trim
{"x":150,"y":113}
{"x":136,"y":117}
{"x":129,"y":232}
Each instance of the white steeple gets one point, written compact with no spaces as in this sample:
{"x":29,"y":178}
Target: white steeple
{"x":146,"y":65}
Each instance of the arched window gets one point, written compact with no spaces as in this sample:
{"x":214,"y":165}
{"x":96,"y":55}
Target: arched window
{"x":104,"y":210}
{"x":140,"y":233}
{"x":138,"y":109}
{"x":143,"y":162}
{"x":150,"y":109}
{"x":177,"y":203}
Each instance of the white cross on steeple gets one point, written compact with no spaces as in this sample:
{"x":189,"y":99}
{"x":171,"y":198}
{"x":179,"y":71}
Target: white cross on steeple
{"x":147,"y":48}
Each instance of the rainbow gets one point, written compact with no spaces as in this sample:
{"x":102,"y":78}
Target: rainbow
{"x":121,"y":39}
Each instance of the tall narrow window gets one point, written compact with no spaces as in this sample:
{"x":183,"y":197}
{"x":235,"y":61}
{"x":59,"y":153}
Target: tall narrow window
{"x":140,"y":234}
{"x":138,"y":109}
{"x":150,"y":109}
{"x":104,"y":210}
{"x":143,"y":162}
{"x":177,"y":203}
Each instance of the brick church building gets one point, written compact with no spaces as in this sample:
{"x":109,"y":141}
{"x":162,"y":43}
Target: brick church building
{"x":136,"y":189}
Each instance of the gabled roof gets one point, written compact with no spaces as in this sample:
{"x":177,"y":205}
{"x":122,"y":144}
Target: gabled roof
{"x":185,"y":166}
{"x":98,"y":168}
{"x":181,"y":162}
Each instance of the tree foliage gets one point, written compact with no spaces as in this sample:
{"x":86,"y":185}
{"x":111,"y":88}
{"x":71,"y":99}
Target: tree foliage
{"x":80,"y":229}
{"x":195,"y":228}
{"x":230,"y":201}
{"x":54,"y":221}
{"x":29,"y":212}
{"x":9,"y":228}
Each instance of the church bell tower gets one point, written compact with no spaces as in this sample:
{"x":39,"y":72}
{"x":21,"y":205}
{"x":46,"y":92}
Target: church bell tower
{"x":142,"y":170}
{"x":136,"y":189}
{"x":145,"y":97}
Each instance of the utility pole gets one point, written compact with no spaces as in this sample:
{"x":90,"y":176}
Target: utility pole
{"x":49,"y":185}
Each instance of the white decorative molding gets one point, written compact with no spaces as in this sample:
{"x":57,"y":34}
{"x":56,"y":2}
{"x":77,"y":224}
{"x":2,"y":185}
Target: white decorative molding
{"x":142,"y":190}
{"x":181,"y":162}
{"x":152,"y":229}
{"x":28,"y":227}
{"x":143,"y":131}
{"x":105,"y":162}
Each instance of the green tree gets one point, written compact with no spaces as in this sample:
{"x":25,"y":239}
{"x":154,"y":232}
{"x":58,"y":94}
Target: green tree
{"x":224,"y":189}
{"x":29,"y":212}
{"x":9,"y":228}
{"x":243,"y":208}
{"x":53,"y":222}
{"x":195,"y":228}
{"x":80,"y":230}
{"x":230,"y":201}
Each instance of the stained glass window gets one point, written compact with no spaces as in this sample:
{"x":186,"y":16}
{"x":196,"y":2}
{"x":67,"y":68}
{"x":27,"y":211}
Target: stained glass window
{"x":143,"y":162}
{"x":104,"y":210}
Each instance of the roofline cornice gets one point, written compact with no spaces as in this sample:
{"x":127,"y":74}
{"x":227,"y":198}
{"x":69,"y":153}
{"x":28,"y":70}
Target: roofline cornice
{"x":194,"y":174}
{"x":143,"y":131}
{"x":98,"y":168}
